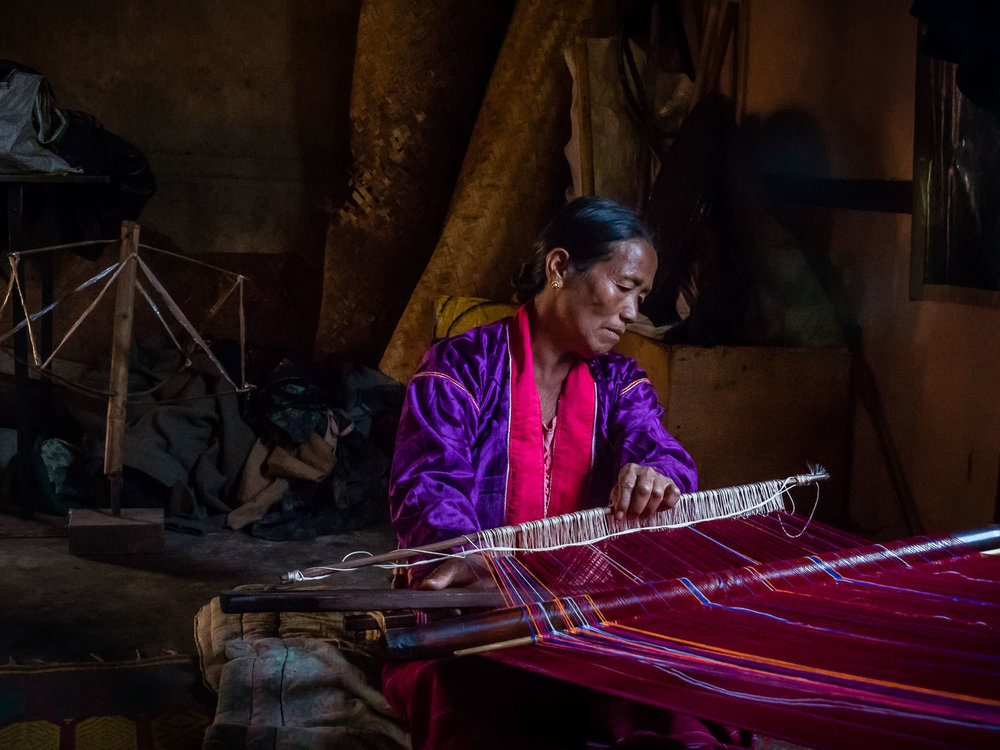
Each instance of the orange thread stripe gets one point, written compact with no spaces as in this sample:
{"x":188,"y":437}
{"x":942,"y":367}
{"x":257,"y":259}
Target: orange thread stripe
{"x":632,"y":385}
{"x":614,"y":650}
{"x":491,"y":567}
{"x":805,"y":668}
{"x":527,"y":606}
{"x":450,"y":379}
{"x":557,"y":600}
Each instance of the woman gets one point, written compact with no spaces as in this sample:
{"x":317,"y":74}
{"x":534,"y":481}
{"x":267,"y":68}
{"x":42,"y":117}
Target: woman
{"x":529,"y":417}
{"x":545,"y":377}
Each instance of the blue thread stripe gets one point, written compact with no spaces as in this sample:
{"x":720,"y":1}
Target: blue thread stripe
{"x":694,"y":590}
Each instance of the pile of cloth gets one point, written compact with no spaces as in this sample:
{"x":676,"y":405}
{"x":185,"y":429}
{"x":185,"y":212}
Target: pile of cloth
{"x":292,"y":680}
{"x":320,"y":464}
{"x":306,"y":455}
{"x":185,"y":439}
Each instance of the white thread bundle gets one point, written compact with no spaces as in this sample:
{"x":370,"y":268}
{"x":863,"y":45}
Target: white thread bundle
{"x":589,"y":526}
{"x":585,"y":527}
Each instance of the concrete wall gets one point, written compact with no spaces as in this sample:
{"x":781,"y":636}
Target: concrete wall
{"x":240,"y":107}
{"x":849,"y":67}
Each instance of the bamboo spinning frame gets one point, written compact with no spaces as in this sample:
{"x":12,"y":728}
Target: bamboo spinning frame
{"x":125,"y":272}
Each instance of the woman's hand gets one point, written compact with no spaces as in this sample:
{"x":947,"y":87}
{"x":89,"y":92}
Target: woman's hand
{"x":642,"y":490}
{"x":468,"y":572}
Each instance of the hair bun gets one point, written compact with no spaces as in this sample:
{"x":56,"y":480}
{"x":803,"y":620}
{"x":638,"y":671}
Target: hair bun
{"x":525,"y":283}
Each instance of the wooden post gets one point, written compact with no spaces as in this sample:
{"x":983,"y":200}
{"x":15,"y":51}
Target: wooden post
{"x":118,"y":386}
{"x":646,"y":88}
{"x":96,"y":532}
{"x":704,"y":49}
{"x":582,"y":60}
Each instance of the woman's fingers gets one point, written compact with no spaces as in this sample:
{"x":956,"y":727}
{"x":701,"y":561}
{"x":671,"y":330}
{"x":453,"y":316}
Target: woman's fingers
{"x":625,"y":487}
{"x":443,"y":576}
{"x":642,"y":490}
{"x":665,"y":495}
{"x":644,"y":493}
{"x":672,"y":494}
{"x":458,"y":572}
{"x":658,"y":486}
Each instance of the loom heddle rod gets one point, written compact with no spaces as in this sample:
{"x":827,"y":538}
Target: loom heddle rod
{"x":468,"y":542}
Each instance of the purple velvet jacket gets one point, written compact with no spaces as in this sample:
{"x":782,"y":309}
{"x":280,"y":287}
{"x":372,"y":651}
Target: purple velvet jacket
{"x":449,"y":471}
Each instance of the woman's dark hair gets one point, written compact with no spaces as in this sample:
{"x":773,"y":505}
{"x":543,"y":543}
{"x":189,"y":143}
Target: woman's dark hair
{"x":587,"y":228}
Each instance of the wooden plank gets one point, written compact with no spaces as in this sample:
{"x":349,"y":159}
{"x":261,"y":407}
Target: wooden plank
{"x":741,"y":60}
{"x":889,"y":196}
{"x":704,"y":51}
{"x":24,"y":409}
{"x":54,"y":178}
{"x":582,"y":103}
{"x":720,"y":46}
{"x":100,"y":532}
{"x":691,"y":21}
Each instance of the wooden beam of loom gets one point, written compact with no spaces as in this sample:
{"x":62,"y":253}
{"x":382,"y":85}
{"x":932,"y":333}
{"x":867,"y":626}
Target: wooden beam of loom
{"x":356,"y":600}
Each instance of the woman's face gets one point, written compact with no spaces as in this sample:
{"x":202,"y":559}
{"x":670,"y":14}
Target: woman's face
{"x":594,"y":306}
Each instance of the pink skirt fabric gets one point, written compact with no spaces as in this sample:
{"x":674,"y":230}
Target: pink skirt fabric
{"x":478,"y":704}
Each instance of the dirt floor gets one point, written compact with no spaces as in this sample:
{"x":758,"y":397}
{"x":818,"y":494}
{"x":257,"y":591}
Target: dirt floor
{"x":55,"y":606}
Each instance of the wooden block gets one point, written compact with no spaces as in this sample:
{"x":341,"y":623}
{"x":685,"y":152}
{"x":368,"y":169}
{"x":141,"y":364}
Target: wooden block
{"x":98,"y":532}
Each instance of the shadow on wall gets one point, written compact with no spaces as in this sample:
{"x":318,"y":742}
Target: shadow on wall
{"x":786,"y":149}
{"x":787,"y":146}
{"x":750,"y":269}
{"x":243,"y":116}
{"x":323,"y":37}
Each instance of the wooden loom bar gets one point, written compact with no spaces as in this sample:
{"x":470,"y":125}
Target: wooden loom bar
{"x":400,"y":555}
{"x":356,"y":600}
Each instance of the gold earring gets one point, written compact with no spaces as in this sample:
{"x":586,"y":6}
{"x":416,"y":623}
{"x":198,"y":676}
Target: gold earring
{"x":556,"y":284}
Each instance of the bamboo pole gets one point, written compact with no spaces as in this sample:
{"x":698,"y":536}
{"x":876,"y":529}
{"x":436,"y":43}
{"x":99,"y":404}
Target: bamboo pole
{"x":357,"y":600}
